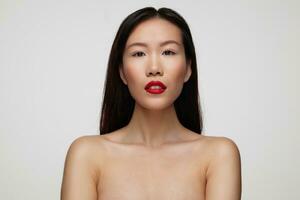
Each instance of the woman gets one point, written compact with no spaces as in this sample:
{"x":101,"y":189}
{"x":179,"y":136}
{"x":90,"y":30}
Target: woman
{"x":151,"y":144}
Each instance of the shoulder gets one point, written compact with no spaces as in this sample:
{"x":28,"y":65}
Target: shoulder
{"x":85,"y":144}
{"x":218,"y":150}
{"x":81,"y":169}
{"x":221,"y":149}
{"x":224,"y":157}
{"x":218,"y":145}
{"x":86,"y":150}
{"x":222,"y":146}
{"x":224,"y":169}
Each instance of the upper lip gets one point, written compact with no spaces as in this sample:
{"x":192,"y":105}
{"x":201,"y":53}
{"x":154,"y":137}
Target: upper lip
{"x":151,"y":83}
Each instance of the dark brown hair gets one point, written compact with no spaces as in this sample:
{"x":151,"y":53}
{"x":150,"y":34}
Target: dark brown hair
{"x":118,"y":104}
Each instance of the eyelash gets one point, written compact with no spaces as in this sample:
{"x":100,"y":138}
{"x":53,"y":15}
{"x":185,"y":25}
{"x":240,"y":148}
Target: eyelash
{"x":135,"y":54}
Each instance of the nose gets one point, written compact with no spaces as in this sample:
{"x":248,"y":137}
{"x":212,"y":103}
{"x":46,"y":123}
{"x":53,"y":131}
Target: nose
{"x":154,"y":66}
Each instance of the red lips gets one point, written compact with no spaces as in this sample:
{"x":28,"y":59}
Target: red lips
{"x":155,"y":90}
{"x":153,"y":83}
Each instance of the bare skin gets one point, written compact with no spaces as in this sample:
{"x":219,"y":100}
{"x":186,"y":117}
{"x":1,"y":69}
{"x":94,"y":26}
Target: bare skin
{"x":104,"y":167}
{"x":171,"y":171}
{"x":154,"y":157}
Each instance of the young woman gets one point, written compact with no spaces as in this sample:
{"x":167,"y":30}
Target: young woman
{"x":151,"y":145}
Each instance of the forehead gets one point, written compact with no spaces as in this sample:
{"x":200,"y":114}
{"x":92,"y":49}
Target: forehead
{"x":155,"y":31}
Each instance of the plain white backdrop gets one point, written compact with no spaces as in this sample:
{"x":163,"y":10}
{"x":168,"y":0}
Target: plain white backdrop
{"x":53,"y":59}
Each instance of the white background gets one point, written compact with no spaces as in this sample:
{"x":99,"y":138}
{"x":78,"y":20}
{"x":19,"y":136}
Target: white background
{"x":53,"y":59}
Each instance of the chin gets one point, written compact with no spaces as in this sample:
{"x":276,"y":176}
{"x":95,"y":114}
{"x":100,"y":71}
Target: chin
{"x":155,"y":104}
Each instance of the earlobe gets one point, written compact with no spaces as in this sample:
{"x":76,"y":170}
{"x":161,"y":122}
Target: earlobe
{"x":122,"y":75}
{"x":188,"y":72}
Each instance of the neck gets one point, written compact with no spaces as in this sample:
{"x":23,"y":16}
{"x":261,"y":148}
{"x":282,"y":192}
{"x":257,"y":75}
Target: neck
{"x":153,"y":128}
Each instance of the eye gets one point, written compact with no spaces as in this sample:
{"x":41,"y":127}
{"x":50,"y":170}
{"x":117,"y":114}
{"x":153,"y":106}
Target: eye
{"x":169,"y":52}
{"x":138,"y":54}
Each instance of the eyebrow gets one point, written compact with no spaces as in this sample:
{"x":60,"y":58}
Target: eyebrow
{"x":161,"y":44}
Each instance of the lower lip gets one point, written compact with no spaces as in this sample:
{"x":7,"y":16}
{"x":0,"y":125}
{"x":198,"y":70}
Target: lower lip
{"x":155,"y":91}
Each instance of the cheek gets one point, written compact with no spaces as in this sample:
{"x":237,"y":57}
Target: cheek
{"x":133,"y":72}
{"x":175,"y":71}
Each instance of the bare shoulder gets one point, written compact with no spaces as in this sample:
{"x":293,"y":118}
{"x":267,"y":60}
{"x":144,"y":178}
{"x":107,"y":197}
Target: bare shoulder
{"x":86,"y":144}
{"x":214,"y":147}
{"x":222,"y":146}
{"x":224,"y":169}
{"x":81,"y":169}
{"x":87,"y":151}
{"x":221,"y":149}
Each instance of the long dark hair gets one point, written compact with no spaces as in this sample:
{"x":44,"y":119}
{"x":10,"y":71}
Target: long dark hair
{"x":118,"y":104}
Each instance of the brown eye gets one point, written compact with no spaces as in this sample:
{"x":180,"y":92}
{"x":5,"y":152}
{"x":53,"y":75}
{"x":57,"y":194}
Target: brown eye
{"x":169,"y":52}
{"x":138,"y":54}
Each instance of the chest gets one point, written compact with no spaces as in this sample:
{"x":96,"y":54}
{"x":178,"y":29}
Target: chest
{"x":174,"y":175}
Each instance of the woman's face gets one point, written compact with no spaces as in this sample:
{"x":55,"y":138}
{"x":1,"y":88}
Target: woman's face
{"x":154,"y":52}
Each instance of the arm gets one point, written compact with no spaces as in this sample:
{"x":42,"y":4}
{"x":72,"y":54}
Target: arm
{"x":79,"y":178}
{"x":224,"y":171}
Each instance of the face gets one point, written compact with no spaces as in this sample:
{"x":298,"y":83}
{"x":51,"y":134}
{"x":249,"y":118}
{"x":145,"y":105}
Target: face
{"x":154,"y":52}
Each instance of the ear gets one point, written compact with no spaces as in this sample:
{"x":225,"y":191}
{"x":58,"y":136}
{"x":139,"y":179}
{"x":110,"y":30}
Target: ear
{"x":121,"y":72}
{"x":188,"y":71}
